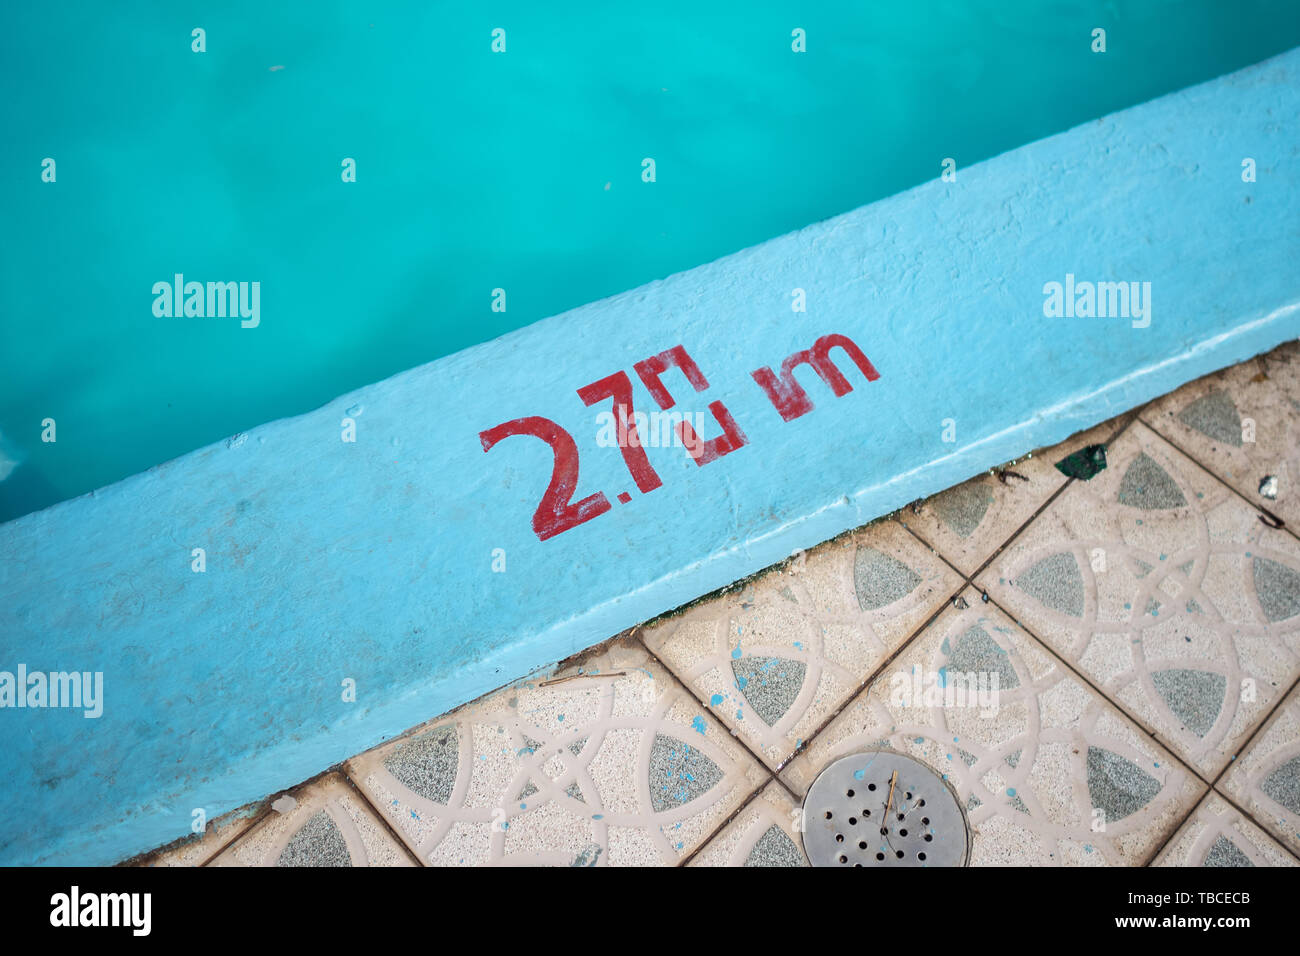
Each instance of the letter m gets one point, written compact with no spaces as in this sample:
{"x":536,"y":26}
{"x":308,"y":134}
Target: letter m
{"x":222,"y":299}
{"x":788,"y":396}
{"x":66,"y":688}
{"x":1116,"y":294}
{"x":118,"y":905}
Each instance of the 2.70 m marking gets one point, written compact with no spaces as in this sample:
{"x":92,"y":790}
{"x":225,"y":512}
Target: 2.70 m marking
{"x":558,"y":512}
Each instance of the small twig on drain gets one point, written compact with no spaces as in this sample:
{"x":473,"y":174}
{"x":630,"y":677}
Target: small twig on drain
{"x":893,"y":778}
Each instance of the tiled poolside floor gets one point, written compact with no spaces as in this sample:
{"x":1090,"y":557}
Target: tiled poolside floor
{"x":1144,"y":624}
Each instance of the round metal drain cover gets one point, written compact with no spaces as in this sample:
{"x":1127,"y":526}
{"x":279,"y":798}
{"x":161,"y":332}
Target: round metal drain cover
{"x":851,"y":818}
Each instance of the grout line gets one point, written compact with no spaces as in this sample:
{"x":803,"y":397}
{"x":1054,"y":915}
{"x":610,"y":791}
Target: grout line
{"x":935,"y":551}
{"x":1245,"y":814}
{"x":872,"y":677}
{"x":257,"y":820}
{"x":1178,"y":828}
{"x":736,"y":736}
{"x":268,"y":809}
{"x":1111,"y":438}
{"x":1245,"y":745}
{"x":789,"y":790}
{"x":1097,"y":690}
{"x":1137,"y":724}
{"x":1259,"y":728}
{"x":723,"y":825}
{"x":1164,"y":745}
{"x":374,"y":811}
{"x":1206,"y":468}
{"x":690,"y":692}
{"x":1226,"y":798}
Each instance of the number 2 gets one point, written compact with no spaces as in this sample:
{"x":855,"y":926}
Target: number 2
{"x":557,"y":511}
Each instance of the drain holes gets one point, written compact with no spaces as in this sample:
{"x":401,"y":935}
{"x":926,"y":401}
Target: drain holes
{"x":848,"y":799}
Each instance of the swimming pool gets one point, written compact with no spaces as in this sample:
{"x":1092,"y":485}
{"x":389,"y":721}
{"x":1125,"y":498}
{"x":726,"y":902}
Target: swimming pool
{"x":476,"y":171}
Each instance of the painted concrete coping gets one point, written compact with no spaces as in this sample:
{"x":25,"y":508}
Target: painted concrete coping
{"x":486,"y":520}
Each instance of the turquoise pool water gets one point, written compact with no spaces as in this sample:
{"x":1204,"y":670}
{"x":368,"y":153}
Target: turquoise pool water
{"x":475,"y":171}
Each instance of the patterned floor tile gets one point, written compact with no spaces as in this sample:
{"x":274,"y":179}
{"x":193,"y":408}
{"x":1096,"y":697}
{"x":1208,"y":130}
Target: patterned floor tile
{"x":765,"y":833}
{"x":1050,"y":772}
{"x":196,"y":850}
{"x":1265,"y":779}
{"x":1243,"y":424}
{"x":1165,"y":589}
{"x":327,"y":824}
{"x":968,"y":523}
{"x":625,"y":768}
{"x":776,"y":658}
{"x":1218,"y":835}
